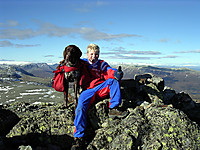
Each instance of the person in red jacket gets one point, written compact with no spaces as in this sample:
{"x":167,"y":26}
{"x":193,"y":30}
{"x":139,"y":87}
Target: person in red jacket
{"x":104,"y":83}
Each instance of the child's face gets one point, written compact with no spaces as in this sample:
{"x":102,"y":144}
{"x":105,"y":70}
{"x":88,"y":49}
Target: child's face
{"x":93,"y":56}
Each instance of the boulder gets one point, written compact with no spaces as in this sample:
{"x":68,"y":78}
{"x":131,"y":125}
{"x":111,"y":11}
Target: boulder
{"x":43,"y":124}
{"x":8,"y":120}
{"x":158,"y":118}
{"x":155,"y":127}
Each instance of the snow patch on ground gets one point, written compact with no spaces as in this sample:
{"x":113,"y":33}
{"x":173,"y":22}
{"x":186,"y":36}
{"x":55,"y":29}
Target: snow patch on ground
{"x":6,"y":88}
{"x":36,"y":90}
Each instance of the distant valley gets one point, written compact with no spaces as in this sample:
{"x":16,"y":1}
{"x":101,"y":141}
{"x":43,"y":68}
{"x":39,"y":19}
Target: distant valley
{"x":32,"y":82}
{"x":180,"y":79}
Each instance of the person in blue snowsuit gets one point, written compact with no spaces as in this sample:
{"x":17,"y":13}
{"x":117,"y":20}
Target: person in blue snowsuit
{"x":103,"y":83}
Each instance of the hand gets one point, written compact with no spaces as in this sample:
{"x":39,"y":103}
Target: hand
{"x":118,"y":74}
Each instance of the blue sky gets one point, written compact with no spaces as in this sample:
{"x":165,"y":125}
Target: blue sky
{"x":129,"y":31}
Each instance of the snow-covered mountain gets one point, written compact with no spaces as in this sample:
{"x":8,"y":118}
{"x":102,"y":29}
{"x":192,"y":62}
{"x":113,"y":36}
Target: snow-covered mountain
{"x":33,"y":69}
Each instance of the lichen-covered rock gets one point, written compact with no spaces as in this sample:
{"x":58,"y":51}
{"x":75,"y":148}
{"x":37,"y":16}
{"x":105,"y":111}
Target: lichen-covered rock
{"x":158,"y":118}
{"x":170,"y":128}
{"x":153,"y":93}
{"x":45,"y":124}
{"x":156,"y":127}
{"x":182,"y":101}
{"x":150,"y":78}
{"x":151,"y":89}
{"x":168,"y":94}
{"x":48,"y":119}
{"x":98,"y":114}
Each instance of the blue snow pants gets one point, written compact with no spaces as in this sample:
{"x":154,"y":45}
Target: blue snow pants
{"x":110,"y":88}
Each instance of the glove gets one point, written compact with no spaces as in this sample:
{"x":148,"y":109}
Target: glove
{"x":118,"y":74}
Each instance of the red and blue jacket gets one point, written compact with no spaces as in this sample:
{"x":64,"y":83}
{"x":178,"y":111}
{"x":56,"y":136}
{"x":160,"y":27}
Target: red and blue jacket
{"x":98,"y":73}
{"x":91,"y":74}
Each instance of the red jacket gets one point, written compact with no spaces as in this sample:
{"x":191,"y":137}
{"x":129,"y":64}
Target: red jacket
{"x":91,"y":75}
{"x":59,"y":75}
{"x":98,"y":73}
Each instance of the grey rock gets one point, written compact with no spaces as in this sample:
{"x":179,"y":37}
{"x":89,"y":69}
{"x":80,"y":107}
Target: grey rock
{"x":159,"y":118}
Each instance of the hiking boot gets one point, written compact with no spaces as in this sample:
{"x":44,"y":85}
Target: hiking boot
{"x":78,"y":144}
{"x":115,"y":112}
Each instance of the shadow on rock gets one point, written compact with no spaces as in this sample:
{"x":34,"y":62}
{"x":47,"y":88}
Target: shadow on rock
{"x":8,"y":120}
{"x":38,"y":141}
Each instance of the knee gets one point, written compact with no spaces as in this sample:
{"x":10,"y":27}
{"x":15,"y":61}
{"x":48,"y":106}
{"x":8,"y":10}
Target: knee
{"x":113,"y":81}
{"x":82,"y":97}
{"x":110,"y":80}
{"x":78,"y":109}
{"x":81,"y":109}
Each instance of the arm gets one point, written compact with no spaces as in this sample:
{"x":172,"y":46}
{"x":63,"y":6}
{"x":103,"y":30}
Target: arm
{"x":108,"y":72}
{"x":111,"y":72}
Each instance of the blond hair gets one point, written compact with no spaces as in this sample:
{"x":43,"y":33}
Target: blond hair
{"x":93,"y":47}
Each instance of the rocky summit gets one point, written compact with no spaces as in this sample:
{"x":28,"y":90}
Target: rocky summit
{"x":158,"y":118}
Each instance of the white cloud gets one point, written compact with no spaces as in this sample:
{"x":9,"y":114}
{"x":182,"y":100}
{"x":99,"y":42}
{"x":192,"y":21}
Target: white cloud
{"x":10,"y":44}
{"x":164,"y":40}
{"x":52,"y":30}
{"x":190,"y":51}
{"x":17,"y":34}
{"x":9,"y":23}
{"x":88,"y":6}
{"x":12,"y":62}
{"x":121,"y":50}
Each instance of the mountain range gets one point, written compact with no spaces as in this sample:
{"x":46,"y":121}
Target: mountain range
{"x":180,"y":79}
